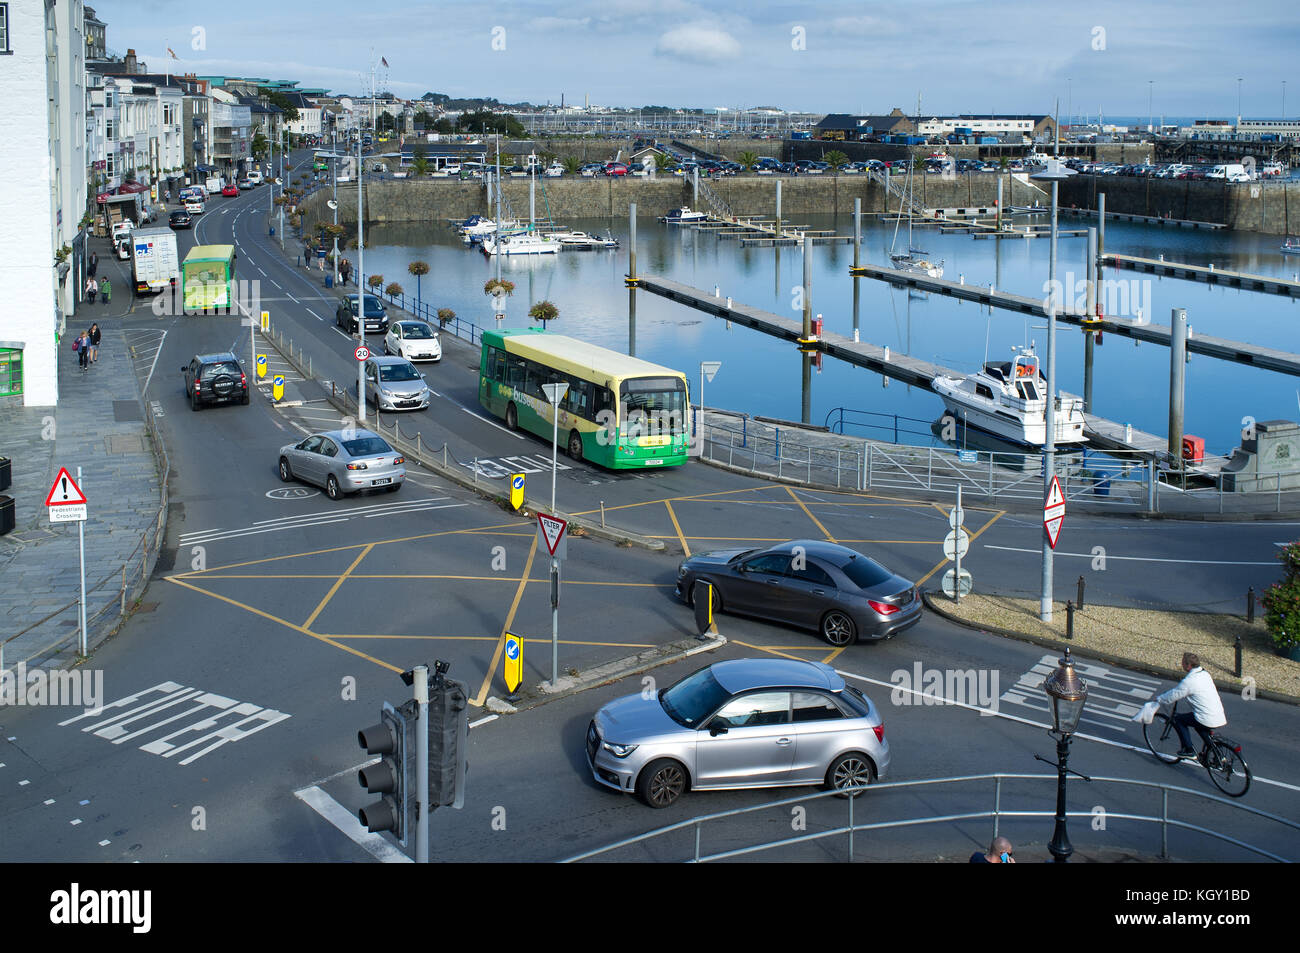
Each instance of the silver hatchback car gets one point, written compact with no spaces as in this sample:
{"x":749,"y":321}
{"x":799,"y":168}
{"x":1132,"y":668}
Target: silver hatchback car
{"x":393,"y":383}
{"x":344,"y":462}
{"x":743,"y":723}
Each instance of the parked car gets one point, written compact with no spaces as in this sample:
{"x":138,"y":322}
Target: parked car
{"x":376,"y":314}
{"x":214,"y":379}
{"x":742,"y":723}
{"x":194,"y":207}
{"x":812,"y":584}
{"x":180,"y":219}
{"x":413,"y":340}
{"x":230,"y":190}
{"x":393,"y":383}
{"x":343,"y":462}
{"x":616,"y":168}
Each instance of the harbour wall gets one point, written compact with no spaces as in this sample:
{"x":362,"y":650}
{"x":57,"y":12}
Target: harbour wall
{"x":1269,"y":207}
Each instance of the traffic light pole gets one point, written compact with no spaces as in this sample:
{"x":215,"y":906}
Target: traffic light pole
{"x":421,"y":686}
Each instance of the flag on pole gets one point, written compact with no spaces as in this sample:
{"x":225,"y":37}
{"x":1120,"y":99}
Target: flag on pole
{"x":383,"y":62}
{"x":173,"y":53}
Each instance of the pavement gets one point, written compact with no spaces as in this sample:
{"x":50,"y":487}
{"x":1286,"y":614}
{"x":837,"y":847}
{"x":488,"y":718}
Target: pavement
{"x":98,"y":426}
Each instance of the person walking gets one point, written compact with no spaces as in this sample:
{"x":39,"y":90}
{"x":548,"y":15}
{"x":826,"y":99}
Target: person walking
{"x":93,"y":266}
{"x":107,"y":288}
{"x":345,"y":268}
{"x":94,"y":342}
{"x":82,"y":344}
{"x":92,"y":289}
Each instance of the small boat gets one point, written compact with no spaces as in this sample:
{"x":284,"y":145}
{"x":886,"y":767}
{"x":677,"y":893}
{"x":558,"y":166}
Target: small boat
{"x":1291,"y":246}
{"x":575,"y":239}
{"x":521,"y":243}
{"x":1009,"y":400}
{"x":914,"y":261}
{"x":683,"y":216}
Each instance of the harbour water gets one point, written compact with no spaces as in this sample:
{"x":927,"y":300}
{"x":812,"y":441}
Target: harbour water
{"x":761,"y":375}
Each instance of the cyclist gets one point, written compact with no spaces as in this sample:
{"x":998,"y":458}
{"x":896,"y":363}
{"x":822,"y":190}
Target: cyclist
{"x":1207,"y":710}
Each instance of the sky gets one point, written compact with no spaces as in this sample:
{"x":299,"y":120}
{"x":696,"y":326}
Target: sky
{"x":959,"y":56}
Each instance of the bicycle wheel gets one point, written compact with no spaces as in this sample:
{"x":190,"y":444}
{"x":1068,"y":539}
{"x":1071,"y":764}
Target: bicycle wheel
{"x":1228,"y":769}
{"x":1162,"y":738}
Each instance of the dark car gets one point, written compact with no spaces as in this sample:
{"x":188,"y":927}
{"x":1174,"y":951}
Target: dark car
{"x":214,"y":379}
{"x":376,"y":316}
{"x":811,"y":584}
{"x":180,"y":219}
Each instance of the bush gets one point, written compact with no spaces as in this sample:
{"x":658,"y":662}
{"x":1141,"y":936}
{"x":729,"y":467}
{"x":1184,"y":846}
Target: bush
{"x":393,"y":289}
{"x":375,"y":281}
{"x":1282,"y":602}
{"x":544,"y":311}
{"x":446,"y":316}
{"x":494,"y":283}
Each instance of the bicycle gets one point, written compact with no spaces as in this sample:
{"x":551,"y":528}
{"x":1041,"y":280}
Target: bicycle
{"x":1221,"y":756}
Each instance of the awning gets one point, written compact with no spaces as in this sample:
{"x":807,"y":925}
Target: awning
{"x":127,"y":188}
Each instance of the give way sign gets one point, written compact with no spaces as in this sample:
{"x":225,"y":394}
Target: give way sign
{"x":552,"y":532}
{"x":1054,"y":511}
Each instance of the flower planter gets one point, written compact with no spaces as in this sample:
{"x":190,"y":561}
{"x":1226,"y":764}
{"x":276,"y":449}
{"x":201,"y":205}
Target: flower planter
{"x":1293,"y":653}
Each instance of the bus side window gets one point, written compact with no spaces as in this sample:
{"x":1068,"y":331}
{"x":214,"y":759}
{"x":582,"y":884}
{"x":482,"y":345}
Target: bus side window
{"x":497,"y":366}
{"x":604,"y":400}
{"x":518,"y":372}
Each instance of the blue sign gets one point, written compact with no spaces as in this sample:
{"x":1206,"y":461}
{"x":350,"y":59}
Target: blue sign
{"x":279,"y":381}
{"x":967,"y":456}
{"x":518,"y":481}
{"x":512,"y":649}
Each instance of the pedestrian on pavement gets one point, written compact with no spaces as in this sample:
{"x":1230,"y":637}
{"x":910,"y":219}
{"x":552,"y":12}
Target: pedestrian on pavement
{"x":92,"y":289}
{"x":1000,"y":852}
{"x":94,"y":265}
{"x":167,"y":195}
{"x":94,"y":342}
{"x":82,"y":345}
{"x":107,"y":288}
{"x":345,"y":268}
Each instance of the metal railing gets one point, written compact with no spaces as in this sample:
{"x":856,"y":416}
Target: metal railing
{"x":877,"y":791}
{"x":133,"y":573}
{"x":841,"y":417}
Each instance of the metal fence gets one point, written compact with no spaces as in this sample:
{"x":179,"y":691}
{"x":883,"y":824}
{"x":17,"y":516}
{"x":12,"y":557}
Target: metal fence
{"x":132,"y":575}
{"x":996,"y":813}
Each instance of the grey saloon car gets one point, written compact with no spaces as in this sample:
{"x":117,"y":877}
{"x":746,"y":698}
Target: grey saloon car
{"x":343,"y":462}
{"x":742,"y":723}
{"x":809,"y":583}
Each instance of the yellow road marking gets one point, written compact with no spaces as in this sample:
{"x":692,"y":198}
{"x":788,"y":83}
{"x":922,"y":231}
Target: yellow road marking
{"x":772,"y":650}
{"x":833,"y":655}
{"x":335,"y":588}
{"x":810,"y":515}
{"x":510,"y":620}
{"x":677,"y":526}
{"x":759,"y":539}
{"x":284,"y":622}
{"x":997,"y":516}
{"x":493,"y":638}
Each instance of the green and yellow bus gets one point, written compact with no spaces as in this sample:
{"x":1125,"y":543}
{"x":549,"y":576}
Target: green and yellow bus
{"x":619,"y":411}
{"x":208,"y":277}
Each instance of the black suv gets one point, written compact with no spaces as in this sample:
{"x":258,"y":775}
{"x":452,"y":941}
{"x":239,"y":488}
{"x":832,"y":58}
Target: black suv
{"x":376,"y":316}
{"x":214,"y":379}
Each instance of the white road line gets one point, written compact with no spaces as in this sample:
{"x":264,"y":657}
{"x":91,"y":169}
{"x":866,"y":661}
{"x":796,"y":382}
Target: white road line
{"x":314,"y":314}
{"x":291,"y":297}
{"x":259,"y":268}
{"x":491,"y":424}
{"x":416,"y":509}
{"x":232,"y":534}
{"x":310,"y":519}
{"x":144,"y":390}
{"x":892,"y":686}
{"x":334,"y":812}
{"x":1136,"y":559}
{"x":341,"y":334}
{"x":483,"y":721}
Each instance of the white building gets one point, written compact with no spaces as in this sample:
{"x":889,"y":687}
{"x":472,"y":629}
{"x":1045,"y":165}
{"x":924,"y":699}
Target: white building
{"x":43,"y":168}
{"x":308,"y":122}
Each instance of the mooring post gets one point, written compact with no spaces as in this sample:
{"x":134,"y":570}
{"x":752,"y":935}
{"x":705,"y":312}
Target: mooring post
{"x":1101,"y":223}
{"x":807,"y":331}
{"x":999,"y":203}
{"x":1090,"y":337}
{"x":857,"y":232}
{"x":778,"y":209}
{"x":631,"y":273}
{"x":1177,"y":376}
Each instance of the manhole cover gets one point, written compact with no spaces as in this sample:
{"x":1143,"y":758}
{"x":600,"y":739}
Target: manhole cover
{"x":125,"y":410}
{"x":125,"y":443}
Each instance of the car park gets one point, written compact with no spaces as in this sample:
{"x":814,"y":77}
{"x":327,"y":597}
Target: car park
{"x":376,"y":317}
{"x":214,"y":379}
{"x":811,"y":584}
{"x":180,"y":219}
{"x":413,"y":340}
{"x":393,"y":383}
{"x":740,"y":723}
{"x":342,"y":462}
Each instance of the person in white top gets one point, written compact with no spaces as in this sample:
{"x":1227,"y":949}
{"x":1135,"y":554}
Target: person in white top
{"x":1207,"y":710}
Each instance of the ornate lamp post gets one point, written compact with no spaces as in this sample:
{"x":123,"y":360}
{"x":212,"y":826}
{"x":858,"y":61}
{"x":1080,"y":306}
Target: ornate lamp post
{"x":1068,"y":693}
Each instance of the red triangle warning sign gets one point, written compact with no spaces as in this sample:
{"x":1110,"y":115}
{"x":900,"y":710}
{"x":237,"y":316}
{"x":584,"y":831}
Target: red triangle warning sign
{"x":553,"y":529}
{"x":65,"y":491}
{"x":1054,"y":495}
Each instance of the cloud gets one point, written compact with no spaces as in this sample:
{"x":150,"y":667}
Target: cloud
{"x":697,"y":43}
{"x":558,"y":24}
{"x":864,"y":26}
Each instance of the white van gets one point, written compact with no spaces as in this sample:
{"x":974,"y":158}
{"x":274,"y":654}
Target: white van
{"x":215,"y":184}
{"x":1230,"y":172}
{"x":255,"y":176}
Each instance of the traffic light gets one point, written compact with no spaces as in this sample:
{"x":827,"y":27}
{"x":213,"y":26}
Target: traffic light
{"x":448,"y":741}
{"x":394,"y":775}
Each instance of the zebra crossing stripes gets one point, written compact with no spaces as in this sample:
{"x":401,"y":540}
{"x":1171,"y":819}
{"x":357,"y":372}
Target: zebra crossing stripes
{"x":1114,"y":695}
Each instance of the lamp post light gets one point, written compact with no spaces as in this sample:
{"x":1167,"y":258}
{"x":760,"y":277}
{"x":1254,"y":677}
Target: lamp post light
{"x":1054,"y":173}
{"x":1067,"y":693}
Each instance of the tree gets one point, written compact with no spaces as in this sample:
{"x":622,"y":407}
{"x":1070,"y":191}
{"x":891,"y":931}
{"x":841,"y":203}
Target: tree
{"x":277,"y":98}
{"x":484,"y":120}
{"x":444,"y":126}
{"x":572,"y":165}
{"x":836,"y":159}
{"x":544,"y":311}
{"x":419,"y":163}
{"x":260,"y":144}
{"x":748,"y":160}
{"x":419,"y":269}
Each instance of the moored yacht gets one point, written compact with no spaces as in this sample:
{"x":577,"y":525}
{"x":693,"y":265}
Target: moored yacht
{"x":683,"y":216}
{"x":520,"y":243}
{"x":1009,"y":400}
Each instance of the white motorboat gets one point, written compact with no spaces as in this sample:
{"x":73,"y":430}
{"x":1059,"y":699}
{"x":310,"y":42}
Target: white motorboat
{"x":576,"y":239}
{"x":683,"y":216}
{"x":1009,"y":400}
{"x":521,"y":243}
{"x":477,"y":227}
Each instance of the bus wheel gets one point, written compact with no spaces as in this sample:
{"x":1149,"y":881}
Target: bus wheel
{"x":575,"y":445}
{"x":512,"y":417}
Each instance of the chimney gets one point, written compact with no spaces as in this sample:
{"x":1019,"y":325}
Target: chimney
{"x":129,"y":63}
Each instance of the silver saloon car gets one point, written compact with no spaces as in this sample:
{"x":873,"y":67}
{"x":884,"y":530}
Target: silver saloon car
{"x":344,"y":462}
{"x":743,"y":723}
{"x":808,"y":583}
{"x":393,"y":383}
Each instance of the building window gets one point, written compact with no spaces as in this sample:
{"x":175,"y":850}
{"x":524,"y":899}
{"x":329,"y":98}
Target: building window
{"x":11,"y":359}
{"x":108,"y":129}
{"x":4,"y":28}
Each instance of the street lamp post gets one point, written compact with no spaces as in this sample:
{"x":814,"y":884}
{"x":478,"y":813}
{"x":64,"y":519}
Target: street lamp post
{"x":1054,"y":173}
{"x":361,"y":289}
{"x":555,"y":393}
{"x":1150,"y":88}
{"x":1238,"y":101}
{"x":1067,"y":693}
